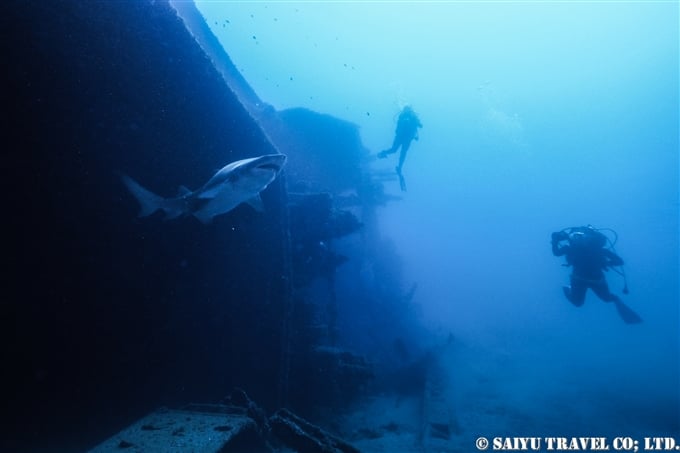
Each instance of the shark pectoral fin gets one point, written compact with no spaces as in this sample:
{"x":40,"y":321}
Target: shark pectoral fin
{"x":256,"y":203}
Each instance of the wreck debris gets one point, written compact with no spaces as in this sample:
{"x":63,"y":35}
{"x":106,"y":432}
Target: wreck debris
{"x":302,"y":436}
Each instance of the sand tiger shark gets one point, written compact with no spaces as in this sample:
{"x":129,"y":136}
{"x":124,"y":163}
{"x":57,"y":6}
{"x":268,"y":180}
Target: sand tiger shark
{"x":236,"y":183}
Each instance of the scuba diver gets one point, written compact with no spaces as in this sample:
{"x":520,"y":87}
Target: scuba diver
{"x":590,"y":253}
{"x":407,"y":130}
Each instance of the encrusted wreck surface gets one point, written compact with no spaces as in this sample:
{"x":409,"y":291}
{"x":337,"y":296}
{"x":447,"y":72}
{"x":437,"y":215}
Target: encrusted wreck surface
{"x":181,"y":431}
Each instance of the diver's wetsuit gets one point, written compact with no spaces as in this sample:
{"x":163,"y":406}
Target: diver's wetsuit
{"x":407,"y":129}
{"x":588,"y":263}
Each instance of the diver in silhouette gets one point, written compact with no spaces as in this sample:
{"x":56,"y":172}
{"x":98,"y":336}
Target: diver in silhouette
{"x":588,"y":252}
{"x":407,"y":131}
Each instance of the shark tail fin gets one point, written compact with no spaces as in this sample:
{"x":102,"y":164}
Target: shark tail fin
{"x":149,"y":201}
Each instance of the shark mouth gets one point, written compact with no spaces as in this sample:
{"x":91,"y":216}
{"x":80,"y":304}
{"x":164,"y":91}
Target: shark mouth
{"x":272,"y":167}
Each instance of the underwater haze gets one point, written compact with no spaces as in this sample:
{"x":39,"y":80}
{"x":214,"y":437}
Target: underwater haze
{"x":537,"y":116}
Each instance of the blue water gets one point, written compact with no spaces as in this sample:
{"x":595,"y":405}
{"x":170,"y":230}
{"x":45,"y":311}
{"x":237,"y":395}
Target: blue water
{"x":537,"y":116}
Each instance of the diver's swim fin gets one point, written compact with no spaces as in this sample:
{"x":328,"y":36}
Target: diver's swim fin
{"x":402,"y":181}
{"x":627,"y":314}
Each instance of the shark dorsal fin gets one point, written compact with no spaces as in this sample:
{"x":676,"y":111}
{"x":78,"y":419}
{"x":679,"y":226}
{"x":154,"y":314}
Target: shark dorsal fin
{"x":182,"y":191}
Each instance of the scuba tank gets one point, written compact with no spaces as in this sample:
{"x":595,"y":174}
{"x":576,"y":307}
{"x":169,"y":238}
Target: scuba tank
{"x":586,"y":237}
